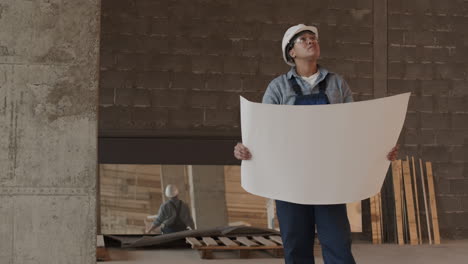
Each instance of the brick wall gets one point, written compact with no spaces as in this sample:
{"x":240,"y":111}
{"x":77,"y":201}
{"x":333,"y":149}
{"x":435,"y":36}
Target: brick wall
{"x":427,"y":54}
{"x":176,"y":69}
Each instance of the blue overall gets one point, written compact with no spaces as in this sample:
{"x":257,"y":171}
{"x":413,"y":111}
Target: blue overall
{"x":297,"y":221}
{"x":178,"y":225}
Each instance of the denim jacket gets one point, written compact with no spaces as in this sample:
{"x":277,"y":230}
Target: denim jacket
{"x":279,"y":90}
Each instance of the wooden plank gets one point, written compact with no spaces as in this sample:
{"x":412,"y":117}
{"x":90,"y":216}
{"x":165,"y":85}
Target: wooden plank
{"x":127,"y":211}
{"x":125,"y":203}
{"x":228,"y":242}
{"x":373,"y":220}
{"x":277,"y":253}
{"x":259,"y":207}
{"x":432,"y":199}
{"x":384,"y":211}
{"x":416,"y":195}
{"x":241,"y":205}
{"x":425,"y":202}
{"x":277,"y":239}
{"x":209,"y":241}
{"x":242,"y":247}
{"x":193,"y":241}
{"x":396,"y":171}
{"x":354,"y":212}
{"x":379,"y":220}
{"x":382,"y":227}
{"x":413,"y":233}
{"x":264,"y":241}
{"x":403,"y":205}
{"x":376,"y":237}
{"x":243,"y":196}
{"x":247,"y":242}
{"x":388,"y":210}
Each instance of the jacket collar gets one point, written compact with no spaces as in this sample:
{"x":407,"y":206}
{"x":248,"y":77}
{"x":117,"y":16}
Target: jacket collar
{"x":322,"y":73}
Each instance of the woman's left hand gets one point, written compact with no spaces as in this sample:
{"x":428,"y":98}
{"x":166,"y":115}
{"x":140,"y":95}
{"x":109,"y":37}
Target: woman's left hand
{"x":392,"y":155}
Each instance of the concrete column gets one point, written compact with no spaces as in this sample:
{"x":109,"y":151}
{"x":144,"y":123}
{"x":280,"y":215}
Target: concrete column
{"x":176,"y":175}
{"x":207,"y":191}
{"x":48,"y":130}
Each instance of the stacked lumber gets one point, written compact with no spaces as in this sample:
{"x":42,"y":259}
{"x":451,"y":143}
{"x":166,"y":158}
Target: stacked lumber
{"x":408,"y":212}
{"x":241,"y":205}
{"x":128,"y":194}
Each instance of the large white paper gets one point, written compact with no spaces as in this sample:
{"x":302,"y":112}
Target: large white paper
{"x":320,"y":154}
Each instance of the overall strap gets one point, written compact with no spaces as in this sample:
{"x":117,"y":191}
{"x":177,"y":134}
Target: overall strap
{"x":295,"y":86}
{"x":297,"y":89}
{"x":323,"y":84}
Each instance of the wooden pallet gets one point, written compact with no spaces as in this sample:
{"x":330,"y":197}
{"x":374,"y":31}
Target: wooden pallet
{"x":242,"y":245}
{"x":102,"y":254}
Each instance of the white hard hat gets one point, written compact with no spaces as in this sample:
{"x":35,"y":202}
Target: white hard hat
{"x":290,"y":33}
{"x":171,"y":191}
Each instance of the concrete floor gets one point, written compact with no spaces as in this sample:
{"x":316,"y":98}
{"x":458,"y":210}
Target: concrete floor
{"x":455,"y":252}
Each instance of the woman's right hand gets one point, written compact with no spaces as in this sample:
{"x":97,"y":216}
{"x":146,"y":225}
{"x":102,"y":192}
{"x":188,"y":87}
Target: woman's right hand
{"x":241,"y":152}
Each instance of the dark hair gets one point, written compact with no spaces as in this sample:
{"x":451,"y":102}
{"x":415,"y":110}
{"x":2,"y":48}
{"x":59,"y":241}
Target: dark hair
{"x":291,"y":44}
